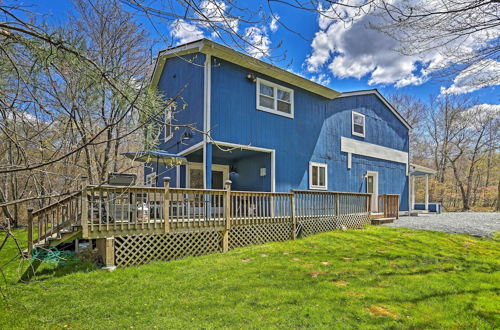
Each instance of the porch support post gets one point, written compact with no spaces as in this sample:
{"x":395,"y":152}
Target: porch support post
{"x":427,"y":192}
{"x":413,"y":193}
{"x":227,"y":216}
{"x":207,"y":170}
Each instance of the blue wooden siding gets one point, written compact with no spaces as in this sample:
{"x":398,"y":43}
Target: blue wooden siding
{"x":312,"y":135}
{"x":182,"y":77}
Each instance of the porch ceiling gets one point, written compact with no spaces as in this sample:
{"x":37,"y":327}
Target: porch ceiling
{"x":223,"y":157}
{"x":418,"y":170}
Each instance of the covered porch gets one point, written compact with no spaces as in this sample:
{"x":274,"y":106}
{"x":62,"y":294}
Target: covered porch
{"x":210,"y":165}
{"x":418,"y":172}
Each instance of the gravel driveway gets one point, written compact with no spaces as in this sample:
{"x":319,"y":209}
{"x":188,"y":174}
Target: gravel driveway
{"x":477,"y":224}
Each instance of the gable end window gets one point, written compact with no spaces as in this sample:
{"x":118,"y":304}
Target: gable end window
{"x":168,"y":131}
{"x":274,"y":98}
{"x":318,"y":176}
{"x":358,"y":124}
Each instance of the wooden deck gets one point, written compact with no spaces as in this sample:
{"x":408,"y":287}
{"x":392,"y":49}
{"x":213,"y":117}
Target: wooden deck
{"x":152,"y":219}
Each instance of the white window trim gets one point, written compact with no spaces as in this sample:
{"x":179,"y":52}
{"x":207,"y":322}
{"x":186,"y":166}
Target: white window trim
{"x":354,"y":113}
{"x":316,"y":187}
{"x":275,"y":110}
{"x":150,"y":179}
{"x":168,"y":111}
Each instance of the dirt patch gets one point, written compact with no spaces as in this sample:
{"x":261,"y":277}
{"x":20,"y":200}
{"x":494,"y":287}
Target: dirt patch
{"x":315,"y":274}
{"x":246,"y":260}
{"x":382,"y":311}
{"x":263,"y":255}
{"x":353,"y":294}
{"x":295,"y":259}
{"x":326,"y":263}
{"x":339,"y":283}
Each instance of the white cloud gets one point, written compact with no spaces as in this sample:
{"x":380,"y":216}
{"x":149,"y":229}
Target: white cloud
{"x":352,"y":49}
{"x":274,"y":23}
{"x":481,"y":74}
{"x":321,"y":79}
{"x":259,"y":41}
{"x":217,"y":13}
{"x":185,"y":32}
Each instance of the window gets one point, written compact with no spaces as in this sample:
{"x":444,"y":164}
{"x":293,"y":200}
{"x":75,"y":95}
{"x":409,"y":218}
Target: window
{"x":358,"y":124}
{"x":318,"y":176}
{"x":274,"y":98}
{"x":150,"y":179}
{"x":168,"y":131}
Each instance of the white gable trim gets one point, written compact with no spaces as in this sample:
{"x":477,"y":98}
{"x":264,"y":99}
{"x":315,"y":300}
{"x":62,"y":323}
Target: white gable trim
{"x":362,"y":148}
{"x":387,"y":104}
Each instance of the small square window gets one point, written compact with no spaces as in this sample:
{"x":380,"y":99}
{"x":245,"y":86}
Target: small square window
{"x":358,"y":124}
{"x":274,"y":98}
{"x":318,"y":176}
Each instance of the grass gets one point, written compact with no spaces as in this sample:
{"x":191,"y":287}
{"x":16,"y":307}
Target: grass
{"x":377,"y":277}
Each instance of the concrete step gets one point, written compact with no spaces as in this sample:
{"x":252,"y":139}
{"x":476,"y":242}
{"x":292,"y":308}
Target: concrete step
{"x":381,"y":221}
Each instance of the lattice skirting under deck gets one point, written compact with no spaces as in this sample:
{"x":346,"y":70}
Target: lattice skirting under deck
{"x":141,"y":249}
{"x":258,"y":234}
{"x":311,"y":226}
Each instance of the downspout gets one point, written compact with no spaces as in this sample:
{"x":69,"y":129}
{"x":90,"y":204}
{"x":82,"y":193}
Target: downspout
{"x":207,"y":89}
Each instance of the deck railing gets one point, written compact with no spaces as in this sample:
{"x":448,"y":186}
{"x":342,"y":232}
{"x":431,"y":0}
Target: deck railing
{"x":108,"y":211}
{"x":329,"y":203}
{"x":389,"y":204}
{"x":50,"y":220}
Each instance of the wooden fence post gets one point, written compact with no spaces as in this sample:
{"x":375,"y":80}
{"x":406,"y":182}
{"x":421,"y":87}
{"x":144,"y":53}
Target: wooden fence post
{"x":292,"y":216}
{"x":30,"y":232}
{"x":227,"y":216}
{"x":166,"y":204}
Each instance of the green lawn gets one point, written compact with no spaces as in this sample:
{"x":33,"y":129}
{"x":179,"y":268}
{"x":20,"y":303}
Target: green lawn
{"x":377,"y":277}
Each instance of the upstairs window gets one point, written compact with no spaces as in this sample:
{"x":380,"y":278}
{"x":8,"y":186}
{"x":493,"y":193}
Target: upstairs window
{"x":318,"y":176}
{"x":168,"y":131}
{"x":358,"y":124}
{"x":274,"y":98}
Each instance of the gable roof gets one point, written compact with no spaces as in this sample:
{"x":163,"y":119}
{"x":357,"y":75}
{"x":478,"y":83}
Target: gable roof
{"x":386,"y":103}
{"x":212,"y":48}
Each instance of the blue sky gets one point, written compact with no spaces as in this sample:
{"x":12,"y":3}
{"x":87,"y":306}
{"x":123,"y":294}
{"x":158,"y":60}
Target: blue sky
{"x":344,"y":69}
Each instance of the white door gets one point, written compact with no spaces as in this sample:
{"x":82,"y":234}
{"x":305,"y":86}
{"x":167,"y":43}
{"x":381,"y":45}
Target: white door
{"x":372,"y":188}
{"x":220,"y":173}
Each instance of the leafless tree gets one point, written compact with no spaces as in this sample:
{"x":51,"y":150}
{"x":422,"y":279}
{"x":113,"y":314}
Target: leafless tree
{"x":463,"y":134}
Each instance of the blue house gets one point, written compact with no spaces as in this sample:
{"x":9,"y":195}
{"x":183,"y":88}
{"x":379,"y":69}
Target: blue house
{"x":271,"y":130}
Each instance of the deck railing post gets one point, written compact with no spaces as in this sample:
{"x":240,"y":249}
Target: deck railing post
{"x":227,"y":216}
{"x":397,"y":207}
{"x":85,"y":212}
{"x":30,"y":232}
{"x":292,"y":216}
{"x":166,"y":204}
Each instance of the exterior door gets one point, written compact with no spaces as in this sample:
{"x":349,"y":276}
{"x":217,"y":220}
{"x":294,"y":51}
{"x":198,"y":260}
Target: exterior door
{"x":372,"y":188}
{"x":220,"y":173}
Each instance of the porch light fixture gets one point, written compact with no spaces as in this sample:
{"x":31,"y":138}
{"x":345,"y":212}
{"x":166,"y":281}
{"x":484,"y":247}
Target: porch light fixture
{"x":251,"y":77}
{"x":233,"y":170}
{"x":186,"y":135}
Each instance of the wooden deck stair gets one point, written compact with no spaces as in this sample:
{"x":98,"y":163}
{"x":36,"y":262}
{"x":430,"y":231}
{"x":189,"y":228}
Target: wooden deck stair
{"x":380,"y":221}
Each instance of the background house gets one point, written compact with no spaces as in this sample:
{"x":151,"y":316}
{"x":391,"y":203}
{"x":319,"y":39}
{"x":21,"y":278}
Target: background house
{"x":271,"y":130}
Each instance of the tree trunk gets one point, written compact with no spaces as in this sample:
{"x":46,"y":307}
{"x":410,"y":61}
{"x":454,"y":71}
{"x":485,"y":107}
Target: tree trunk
{"x":498,"y":197}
